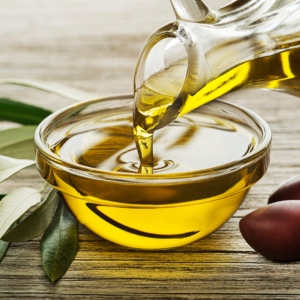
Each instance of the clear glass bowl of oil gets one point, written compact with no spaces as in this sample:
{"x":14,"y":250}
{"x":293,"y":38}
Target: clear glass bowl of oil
{"x":205,"y":163}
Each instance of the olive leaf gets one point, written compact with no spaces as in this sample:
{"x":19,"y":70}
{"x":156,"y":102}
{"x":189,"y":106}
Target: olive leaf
{"x":59,"y":243}
{"x":36,"y":223}
{"x":3,"y":248}
{"x":55,"y":88}
{"x":22,"y":113}
{"x":4,"y":245}
{"x":18,"y":142}
{"x":9,"y":166}
{"x":14,"y":205}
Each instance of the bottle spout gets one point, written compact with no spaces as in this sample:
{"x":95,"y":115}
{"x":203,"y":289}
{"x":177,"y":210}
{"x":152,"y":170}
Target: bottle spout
{"x":193,"y":11}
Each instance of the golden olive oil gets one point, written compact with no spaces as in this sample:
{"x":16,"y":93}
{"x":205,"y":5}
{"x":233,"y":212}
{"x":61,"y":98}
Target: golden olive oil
{"x":176,"y":208}
{"x":151,"y":102}
{"x":193,"y":143}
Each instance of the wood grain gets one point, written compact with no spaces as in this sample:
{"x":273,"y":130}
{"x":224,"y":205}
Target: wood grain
{"x":94,"y":45}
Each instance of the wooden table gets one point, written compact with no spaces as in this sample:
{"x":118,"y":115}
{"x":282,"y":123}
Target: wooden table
{"x":94,"y":45}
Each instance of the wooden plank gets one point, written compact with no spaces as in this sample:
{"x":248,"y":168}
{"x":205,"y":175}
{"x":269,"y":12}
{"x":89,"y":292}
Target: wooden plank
{"x":157,"y":296}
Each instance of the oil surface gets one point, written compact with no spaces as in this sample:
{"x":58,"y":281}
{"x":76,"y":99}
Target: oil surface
{"x":192,"y":143}
{"x":277,"y":72}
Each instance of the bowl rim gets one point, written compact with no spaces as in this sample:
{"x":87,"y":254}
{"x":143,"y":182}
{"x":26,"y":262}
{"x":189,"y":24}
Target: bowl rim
{"x":259,"y":152}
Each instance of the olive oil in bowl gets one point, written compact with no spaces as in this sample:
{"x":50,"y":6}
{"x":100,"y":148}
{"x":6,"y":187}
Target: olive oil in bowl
{"x":204,"y":164}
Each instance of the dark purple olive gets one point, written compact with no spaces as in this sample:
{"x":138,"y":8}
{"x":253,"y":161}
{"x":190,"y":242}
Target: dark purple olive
{"x":274,"y":230}
{"x":287,"y":190}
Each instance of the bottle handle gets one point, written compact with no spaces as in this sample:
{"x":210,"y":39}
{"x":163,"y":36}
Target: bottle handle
{"x":193,"y":11}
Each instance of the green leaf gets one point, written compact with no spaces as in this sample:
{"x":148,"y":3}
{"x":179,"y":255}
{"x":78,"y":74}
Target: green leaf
{"x":18,"y":142}
{"x":19,"y":112}
{"x":10,"y":166}
{"x":36,"y":223}
{"x":14,"y":205}
{"x":4,"y":245}
{"x":59,"y":243}
{"x":2,"y":196}
{"x":3,"y":248}
{"x":55,"y":88}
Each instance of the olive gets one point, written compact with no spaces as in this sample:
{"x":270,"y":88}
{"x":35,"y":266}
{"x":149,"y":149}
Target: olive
{"x":274,"y":230}
{"x":287,"y":190}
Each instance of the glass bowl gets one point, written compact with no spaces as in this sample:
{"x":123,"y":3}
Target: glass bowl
{"x":122,"y":208}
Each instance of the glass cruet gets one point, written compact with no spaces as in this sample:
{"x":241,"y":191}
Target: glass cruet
{"x":254,"y":43}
